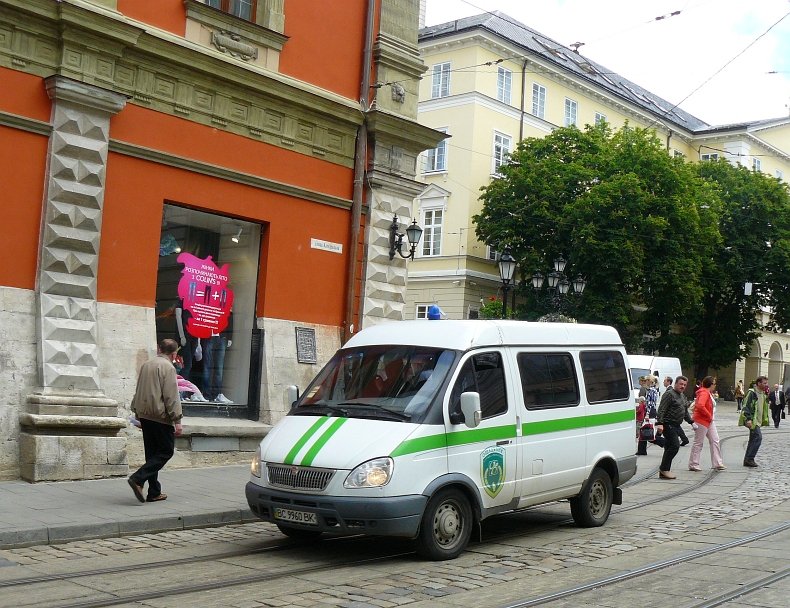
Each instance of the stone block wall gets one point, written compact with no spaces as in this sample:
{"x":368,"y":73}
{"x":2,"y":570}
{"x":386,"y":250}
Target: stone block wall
{"x":18,"y":372}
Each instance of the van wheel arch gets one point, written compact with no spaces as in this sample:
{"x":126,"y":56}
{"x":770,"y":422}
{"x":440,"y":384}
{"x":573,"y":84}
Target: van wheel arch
{"x":462,"y":483}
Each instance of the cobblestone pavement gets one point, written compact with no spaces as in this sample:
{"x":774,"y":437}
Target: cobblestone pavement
{"x":520,"y":559}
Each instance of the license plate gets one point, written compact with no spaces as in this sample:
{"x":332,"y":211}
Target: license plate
{"x":299,"y":517}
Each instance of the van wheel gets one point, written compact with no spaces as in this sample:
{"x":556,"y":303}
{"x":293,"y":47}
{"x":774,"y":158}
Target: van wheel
{"x":299,"y":533}
{"x":591,"y":507}
{"x":446,"y":526}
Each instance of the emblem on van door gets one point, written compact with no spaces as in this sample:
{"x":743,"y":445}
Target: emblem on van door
{"x":492,"y":462}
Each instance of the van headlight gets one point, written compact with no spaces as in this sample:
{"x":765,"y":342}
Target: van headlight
{"x":255,"y":465}
{"x":371,"y":474}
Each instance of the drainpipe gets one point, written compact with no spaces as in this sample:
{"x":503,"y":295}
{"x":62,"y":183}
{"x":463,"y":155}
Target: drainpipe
{"x":360,"y":167}
{"x":669,"y":136}
{"x":523,"y":96}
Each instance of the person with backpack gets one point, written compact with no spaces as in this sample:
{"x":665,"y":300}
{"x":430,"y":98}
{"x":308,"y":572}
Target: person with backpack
{"x":754,"y":415}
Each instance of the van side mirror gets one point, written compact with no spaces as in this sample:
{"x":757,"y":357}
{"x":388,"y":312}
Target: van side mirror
{"x":470,"y":406}
{"x":291,"y":394}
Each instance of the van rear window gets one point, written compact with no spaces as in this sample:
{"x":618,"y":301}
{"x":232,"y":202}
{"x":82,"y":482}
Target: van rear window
{"x":548,"y":380}
{"x":605,"y":376}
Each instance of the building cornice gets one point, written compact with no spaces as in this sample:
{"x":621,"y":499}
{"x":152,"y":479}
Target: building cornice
{"x":164,"y":72}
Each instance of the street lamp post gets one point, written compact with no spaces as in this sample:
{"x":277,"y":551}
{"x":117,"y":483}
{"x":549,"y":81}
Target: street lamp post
{"x":507,"y":268}
{"x":558,"y":282}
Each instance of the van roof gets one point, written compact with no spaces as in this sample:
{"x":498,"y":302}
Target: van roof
{"x":463,"y":335}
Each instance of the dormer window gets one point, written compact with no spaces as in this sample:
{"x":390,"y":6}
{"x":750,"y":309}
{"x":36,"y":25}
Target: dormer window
{"x":243,"y":9}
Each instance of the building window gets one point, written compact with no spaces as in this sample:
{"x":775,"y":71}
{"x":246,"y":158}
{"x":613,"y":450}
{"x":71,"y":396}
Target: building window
{"x":757,"y":164}
{"x":599,"y":118}
{"x":243,"y":9}
{"x":491,"y":253}
{"x":504,"y":80}
{"x":538,"y":100}
{"x":501,"y":150}
{"x":436,"y":159}
{"x":432,"y":231}
{"x":712,"y":156}
{"x":441,"y":80}
{"x":678,"y":154}
{"x":779,"y":174}
{"x":571,"y":112}
{"x":473,"y":313}
{"x":422,"y":311}
{"x":205,"y":298}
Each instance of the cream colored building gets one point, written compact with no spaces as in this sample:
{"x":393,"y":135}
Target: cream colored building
{"x":492,"y":81}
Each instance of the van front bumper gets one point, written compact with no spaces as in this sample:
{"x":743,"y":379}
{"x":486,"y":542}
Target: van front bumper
{"x":392,"y":516}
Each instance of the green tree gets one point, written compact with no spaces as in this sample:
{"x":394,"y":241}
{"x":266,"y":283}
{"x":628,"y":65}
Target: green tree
{"x":623,"y":213}
{"x":753,"y":218}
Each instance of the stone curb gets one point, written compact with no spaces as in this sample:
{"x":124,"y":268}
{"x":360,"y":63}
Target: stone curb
{"x":92,"y":530}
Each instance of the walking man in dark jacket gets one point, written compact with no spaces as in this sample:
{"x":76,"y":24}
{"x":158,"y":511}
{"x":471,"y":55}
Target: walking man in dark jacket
{"x":672,"y":411}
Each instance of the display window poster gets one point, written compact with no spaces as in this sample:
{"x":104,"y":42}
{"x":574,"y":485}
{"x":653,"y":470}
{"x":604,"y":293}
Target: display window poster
{"x":204,"y":290}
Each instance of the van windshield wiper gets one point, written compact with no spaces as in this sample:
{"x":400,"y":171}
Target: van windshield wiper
{"x":319,"y":408}
{"x":380,"y":409}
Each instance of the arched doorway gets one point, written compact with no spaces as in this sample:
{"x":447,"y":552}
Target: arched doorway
{"x":752,"y":367}
{"x":776,"y":365}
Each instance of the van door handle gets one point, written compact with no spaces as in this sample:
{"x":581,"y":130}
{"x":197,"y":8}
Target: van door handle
{"x":505,"y":442}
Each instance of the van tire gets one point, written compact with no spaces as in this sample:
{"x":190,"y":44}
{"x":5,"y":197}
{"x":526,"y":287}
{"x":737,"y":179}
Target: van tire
{"x":446,"y":526}
{"x":299,"y":533}
{"x":591,"y":507}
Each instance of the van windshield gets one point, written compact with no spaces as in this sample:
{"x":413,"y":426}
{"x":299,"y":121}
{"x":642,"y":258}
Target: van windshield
{"x":636,"y":373}
{"x":385,"y":382}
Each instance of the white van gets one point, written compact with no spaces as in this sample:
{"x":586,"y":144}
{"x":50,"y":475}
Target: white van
{"x":648,"y":365}
{"x":422,"y":429}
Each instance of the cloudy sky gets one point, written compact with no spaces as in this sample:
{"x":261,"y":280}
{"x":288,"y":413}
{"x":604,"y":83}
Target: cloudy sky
{"x":672,"y":56}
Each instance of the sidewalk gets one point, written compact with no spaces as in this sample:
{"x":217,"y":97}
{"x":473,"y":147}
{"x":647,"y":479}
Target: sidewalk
{"x":51,"y":512}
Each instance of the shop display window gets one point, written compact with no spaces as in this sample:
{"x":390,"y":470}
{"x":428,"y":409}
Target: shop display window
{"x":205,"y":300}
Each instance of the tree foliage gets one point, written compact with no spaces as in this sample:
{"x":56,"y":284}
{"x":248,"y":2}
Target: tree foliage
{"x":665,"y":245}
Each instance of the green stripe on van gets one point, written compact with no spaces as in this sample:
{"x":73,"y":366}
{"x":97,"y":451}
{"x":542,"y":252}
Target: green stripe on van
{"x":289,"y":459}
{"x":433,"y":442}
{"x":321,"y":442}
{"x":579,"y":422}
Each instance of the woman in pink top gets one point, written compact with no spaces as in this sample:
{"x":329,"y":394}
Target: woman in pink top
{"x":704,"y":426}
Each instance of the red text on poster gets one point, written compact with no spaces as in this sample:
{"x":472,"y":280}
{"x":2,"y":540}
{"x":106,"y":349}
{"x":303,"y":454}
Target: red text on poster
{"x":204,"y":290}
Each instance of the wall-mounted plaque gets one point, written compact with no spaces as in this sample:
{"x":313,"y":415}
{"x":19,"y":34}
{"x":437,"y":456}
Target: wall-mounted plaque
{"x":305,"y":345}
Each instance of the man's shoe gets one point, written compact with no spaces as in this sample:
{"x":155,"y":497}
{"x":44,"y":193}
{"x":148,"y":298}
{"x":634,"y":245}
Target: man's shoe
{"x":682,"y":443}
{"x":138,"y":490}
{"x":695,"y":469}
{"x":666,"y":475}
{"x":749,"y":463}
{"x":721,"y":467}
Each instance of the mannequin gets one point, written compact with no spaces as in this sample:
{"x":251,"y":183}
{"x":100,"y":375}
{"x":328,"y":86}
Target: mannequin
{"x":188,"y":342}
{"x":214,"y":349}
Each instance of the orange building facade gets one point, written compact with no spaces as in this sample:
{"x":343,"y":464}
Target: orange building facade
{"x":222,"y":173}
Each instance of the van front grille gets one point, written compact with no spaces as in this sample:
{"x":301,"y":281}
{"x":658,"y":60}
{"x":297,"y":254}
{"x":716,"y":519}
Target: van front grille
{"x":298,"y":478}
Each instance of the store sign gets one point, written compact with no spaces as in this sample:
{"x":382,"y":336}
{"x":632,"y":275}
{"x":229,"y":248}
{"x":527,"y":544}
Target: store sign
{"x":204,"y":290}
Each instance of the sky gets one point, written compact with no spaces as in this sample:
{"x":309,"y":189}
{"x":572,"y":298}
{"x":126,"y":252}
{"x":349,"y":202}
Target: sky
{"x":673,"y":56}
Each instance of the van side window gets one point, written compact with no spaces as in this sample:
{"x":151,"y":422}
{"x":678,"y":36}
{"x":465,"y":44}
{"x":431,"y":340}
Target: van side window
{"x":548,"y":380}
{"x":485,"y":375}
{"x":605,"y":376}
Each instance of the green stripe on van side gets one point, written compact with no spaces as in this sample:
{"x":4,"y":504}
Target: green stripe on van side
{"x":579,"y":422}
{"x":433,"y":442}
{"x":289,"y":459}
{"x":321,"y":442}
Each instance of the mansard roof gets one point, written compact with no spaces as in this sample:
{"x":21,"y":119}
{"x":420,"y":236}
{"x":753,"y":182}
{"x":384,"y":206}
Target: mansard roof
{"x":566,"y":60}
